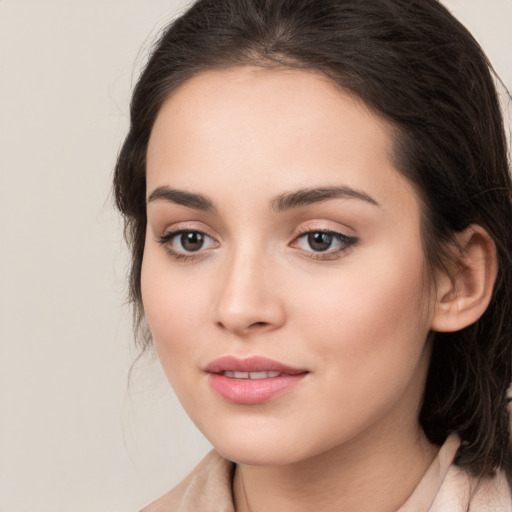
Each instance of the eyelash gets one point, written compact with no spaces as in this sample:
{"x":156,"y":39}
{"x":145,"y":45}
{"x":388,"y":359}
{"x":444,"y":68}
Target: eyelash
{"x":168,"y":238}
{"x":346,"y":242}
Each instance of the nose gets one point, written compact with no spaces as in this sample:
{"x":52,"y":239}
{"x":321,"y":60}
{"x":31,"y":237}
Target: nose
{"x":249,"y":298}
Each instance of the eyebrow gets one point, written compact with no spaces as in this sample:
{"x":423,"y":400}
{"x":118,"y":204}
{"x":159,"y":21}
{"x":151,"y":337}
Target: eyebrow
{"x":189,"y":199}
{"x":308,"y":196}
{"x":286,"y":201}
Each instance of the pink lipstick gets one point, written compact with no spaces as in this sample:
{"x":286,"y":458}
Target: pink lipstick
{"x":253,"y":380}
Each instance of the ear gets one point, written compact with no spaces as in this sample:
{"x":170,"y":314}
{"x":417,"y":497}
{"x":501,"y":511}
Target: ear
{"x":464,"y":293}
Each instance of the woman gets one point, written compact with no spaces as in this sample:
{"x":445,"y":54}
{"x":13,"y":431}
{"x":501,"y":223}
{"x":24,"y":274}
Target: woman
{"x":317,"y":198}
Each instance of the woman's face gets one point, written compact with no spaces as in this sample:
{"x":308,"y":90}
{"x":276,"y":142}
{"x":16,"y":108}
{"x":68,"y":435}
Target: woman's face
{"x":283,"y":276}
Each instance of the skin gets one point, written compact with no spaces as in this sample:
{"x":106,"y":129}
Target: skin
{"x":356,"y":316}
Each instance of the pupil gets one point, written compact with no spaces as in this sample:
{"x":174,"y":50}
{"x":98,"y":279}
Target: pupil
{"x":319,"y":241}
{"x":192,"y":241}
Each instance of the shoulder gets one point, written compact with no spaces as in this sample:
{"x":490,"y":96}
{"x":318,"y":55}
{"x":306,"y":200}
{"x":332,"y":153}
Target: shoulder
{"x":208,"y":484}
{"x":461,"y":492}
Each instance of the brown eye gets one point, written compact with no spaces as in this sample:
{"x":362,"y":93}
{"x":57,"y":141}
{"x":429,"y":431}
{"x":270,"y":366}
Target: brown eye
{"x":319,"y":241}
{"x":184,"y":243}
{"x":323,"y":245}
{"x":192,"y":240}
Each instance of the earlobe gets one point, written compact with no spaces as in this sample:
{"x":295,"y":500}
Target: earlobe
{"x":464,"y":293}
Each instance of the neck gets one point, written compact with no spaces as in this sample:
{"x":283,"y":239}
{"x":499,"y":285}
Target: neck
{"x":344,"y":478}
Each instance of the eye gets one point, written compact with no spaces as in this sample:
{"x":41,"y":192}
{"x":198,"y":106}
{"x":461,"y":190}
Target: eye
{"x":330,"y":243}
{"x":183,"y":243}
{"x":190,"y":241}
{"x":319,"y":241}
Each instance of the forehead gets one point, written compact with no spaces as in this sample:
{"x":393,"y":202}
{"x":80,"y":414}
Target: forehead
{"x":252,"y":98}
{"x":283,"y":126}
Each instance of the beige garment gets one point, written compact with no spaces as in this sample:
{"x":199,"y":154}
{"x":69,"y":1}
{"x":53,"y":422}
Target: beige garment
{"x":443,"y":488}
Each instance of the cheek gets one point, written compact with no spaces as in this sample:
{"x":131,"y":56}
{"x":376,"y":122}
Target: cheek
{"x":370,"y":318}
{"x":173,"y":307}
{"x":368,"y":332}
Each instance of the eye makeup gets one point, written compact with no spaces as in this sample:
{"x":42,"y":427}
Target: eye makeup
{"x":186,"y":244}
{"x":323,"y":244}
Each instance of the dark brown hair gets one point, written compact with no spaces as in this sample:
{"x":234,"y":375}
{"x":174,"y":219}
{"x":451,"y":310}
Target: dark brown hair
{"x":419,"y":68}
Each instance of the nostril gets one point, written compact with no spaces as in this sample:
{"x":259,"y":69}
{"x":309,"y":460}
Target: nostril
{"x":251,"y":327}
{"x":258,"y":324}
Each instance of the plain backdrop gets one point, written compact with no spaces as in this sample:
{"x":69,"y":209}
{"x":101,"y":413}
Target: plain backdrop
{"x":74,"y":434}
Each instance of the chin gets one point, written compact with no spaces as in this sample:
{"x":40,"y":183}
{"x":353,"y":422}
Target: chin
{"x":258,"y":455}
{"x":261,"y":447}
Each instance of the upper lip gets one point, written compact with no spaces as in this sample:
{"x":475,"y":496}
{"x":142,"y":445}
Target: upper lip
{"x":250,"y":364}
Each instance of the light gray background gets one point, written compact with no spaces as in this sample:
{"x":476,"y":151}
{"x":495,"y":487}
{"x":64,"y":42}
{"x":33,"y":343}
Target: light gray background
{"x":73,"y":435}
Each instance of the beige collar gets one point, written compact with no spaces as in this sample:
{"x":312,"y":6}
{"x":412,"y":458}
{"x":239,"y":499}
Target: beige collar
{"x":443,"y":488}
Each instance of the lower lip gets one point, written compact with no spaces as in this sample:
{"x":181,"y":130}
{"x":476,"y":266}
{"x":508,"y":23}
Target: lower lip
{"x":252,"y":391}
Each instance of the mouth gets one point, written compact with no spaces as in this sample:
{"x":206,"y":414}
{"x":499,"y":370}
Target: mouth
{"x":252,"y":380}
{"x":250,"y":367}
{"x":250,"y":375}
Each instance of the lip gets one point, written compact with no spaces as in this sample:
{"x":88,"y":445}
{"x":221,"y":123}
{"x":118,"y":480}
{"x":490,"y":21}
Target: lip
{"x":250,"y":364}
{"x":247,"y":391}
